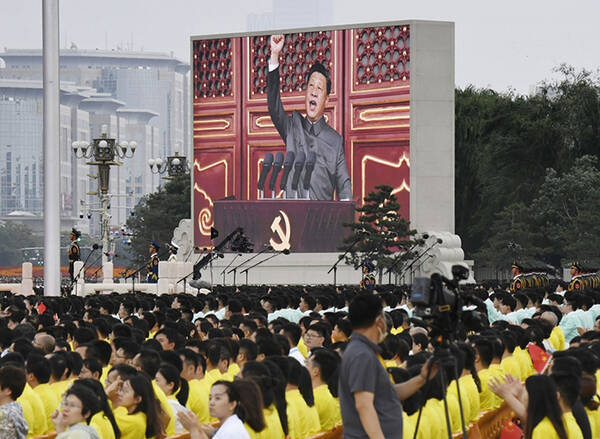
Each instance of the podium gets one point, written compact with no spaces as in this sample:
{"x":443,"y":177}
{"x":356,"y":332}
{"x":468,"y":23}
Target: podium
{"x":301,"y":226}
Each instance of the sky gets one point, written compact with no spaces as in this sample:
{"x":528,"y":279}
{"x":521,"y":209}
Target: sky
{"x":498,"y":44}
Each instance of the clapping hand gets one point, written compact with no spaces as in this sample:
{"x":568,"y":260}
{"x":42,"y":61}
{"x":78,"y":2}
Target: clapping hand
{"x":190,"y":422}
{"x":510,"y":386}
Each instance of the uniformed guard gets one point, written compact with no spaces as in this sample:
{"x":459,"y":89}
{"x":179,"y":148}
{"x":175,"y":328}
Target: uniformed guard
{"x":173,"y":252}
{"x":577,"y":282}
{"x":152,"y":266}
{"x":368,"y":280}
{"x":518,"y":282}
{"x":74,"y":252}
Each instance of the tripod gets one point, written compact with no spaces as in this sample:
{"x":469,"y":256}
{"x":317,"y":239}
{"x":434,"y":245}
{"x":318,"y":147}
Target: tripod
{"x":446,"y":363}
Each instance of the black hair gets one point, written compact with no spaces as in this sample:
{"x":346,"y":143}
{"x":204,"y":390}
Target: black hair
{"x":328,"y":362}
{"x":320,"y":68}
{"x":485,"y":349}
{"x":129,"y":347}
{"x":543,"y":403}
{"x":156,"y":418}
{"x":421,"y":340}
{"x":345,"y":326}
{"x":293,"y":332}
{"x":124,"y":371}
{"x":249,"y":348}
{"x":93,"y":365}
{"x":279,"y":385}
{"x":104,"y":407}
{"x":364,"y":310}
{"x":180,"y":386}
{"x":249,"y":404}
{"x":470,"y":353}
{"x":58,"y":365}
{"x":173,"y":358}
{"x":566,"y":373}
{"x":39,"y":366}
{"x":100,"y":350}
{"x":90,"y":404}
{"x":310,"y":301}
{"x":74,"y":363}
{"x":121,"y":330}
{"x":149,"y":361}
{"x":84,"y":335}
{"x":297,"y":375}
{"x":13,"y":378}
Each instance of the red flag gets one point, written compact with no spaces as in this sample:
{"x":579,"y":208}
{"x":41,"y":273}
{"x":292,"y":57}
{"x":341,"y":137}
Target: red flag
{"x":41,"y":308}
{"x":510,"y":430}
{"x":539,"y":357}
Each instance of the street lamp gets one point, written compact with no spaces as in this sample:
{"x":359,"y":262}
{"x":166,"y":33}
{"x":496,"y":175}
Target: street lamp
{"x":104,"y":152}
{"x":174,"y":165}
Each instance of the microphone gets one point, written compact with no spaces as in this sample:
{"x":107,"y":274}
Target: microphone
{"x":96,"y":246}
{"x":266,"y":167}
{"x":298,"y":169}
{"x":425,"y":236}
{"x":287,"y":167}
{"x":310,"y":165}
{"x":276,"y":168}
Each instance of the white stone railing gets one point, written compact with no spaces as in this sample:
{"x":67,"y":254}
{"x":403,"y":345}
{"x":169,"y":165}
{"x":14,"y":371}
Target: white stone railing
{"x":25,"y":287}
{"x":169,"y":273}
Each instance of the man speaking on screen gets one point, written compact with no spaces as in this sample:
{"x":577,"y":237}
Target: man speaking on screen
{"x":310,"y":133}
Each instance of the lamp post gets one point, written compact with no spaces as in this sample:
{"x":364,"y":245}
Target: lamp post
{"x":174,"y":165}
{"x":104,"y":152}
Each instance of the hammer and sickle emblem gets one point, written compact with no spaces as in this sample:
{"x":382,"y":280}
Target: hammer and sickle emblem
{"x":284,"y":236}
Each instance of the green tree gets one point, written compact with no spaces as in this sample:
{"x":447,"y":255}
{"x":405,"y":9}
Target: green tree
{"x":379,"y":233}
{"x":157,"y":215}
{"x":514,"y":237}
{"x":505,"y":143}
{"x":13,"y":238}
{"x":567,"y":207}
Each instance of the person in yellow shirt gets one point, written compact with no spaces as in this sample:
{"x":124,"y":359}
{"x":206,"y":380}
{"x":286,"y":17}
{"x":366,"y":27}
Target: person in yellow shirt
{"x":104,"y":421}
{"x":92,"y":368}
{"x":148,"y":361}
{"x":38,"y":375}
{"x":302,"y":415}
{"x":217,"y":363}
{"x":483,"y":358}
{"x":566,"y":373}
{"x":198,"y":389}
{"x":322,"y":365}
{"x":136,"y":409}
{"x":587,"y":396}
{"x":59,"y":373}
{"x":260,"y":374}
{"x":495,"y":368}
{"x":469,"y":381}
{"x":557,"y":336}
{"x":509,"y":363}
{"x":538,"y":404}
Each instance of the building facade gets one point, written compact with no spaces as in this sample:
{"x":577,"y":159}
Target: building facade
{"x":136,"y":96}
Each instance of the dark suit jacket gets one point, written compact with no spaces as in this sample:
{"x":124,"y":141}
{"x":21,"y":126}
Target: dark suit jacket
{"x":330,"y":173}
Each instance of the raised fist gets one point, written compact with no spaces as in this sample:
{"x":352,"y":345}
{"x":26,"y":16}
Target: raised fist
{"x":276,"y":47}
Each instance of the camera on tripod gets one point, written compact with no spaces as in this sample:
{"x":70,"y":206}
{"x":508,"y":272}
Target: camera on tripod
{"x":439,"y":304}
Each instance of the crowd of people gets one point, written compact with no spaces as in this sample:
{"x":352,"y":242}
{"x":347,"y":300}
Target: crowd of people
{"x":275,"y":362}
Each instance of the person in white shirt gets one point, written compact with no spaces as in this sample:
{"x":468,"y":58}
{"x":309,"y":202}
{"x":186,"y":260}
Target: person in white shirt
{"x":293,"y":333}
{"x":233,"y":404}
